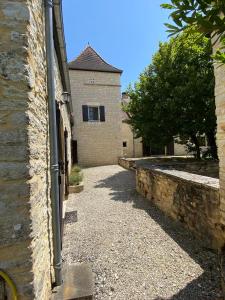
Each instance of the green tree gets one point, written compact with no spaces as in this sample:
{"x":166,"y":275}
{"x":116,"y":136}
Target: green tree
{"x":175,"y":94}
{"x":207,"y":17}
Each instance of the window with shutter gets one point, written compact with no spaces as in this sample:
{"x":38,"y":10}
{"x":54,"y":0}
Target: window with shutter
{"x":102,"y":113}
{"x":93,"y":113}
{"x":85,"y":113}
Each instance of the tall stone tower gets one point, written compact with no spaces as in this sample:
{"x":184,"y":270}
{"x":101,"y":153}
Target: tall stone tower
{"x":96,"y":96}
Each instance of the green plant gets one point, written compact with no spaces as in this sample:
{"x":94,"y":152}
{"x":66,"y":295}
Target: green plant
{"x":76,"y":176}
{"x":76,"y":169}
{"x":174,"y":96}
{"x":206,"y":17}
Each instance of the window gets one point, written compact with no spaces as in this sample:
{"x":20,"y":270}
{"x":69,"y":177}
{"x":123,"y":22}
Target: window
{"x":124,"y":144}
{"x":93,"y":113}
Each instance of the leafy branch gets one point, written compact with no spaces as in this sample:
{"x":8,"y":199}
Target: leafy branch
{"x":207,"y":17}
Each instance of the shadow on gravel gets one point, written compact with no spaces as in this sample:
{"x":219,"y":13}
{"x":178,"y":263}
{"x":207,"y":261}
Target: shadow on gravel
{"x":206,"y":286}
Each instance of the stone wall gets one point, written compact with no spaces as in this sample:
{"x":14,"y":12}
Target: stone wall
{"x":134,"y":147}
{"x":188,"y":198}
{"x":129,"y":164}
{"x":180,"y":149}
{"x":219,"y":71}
{"x":204,"y":168}
{"x":98,"y":143}
{"x":38,"y":145}
{"x":16,"y":173}
{"x":65,"y":113}
{"x":25,"y":209}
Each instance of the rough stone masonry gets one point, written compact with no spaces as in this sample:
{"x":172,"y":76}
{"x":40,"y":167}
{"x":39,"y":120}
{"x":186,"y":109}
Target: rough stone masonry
{"x":189,"y":198}
{"x":219,"y":71}
{"x":25,"y":212}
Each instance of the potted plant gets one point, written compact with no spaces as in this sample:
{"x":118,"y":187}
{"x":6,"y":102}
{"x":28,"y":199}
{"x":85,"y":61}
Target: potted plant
{"x":75,"y":180}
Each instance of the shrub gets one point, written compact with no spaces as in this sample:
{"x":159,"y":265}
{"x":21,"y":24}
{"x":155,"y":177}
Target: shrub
{"x":76,"y":169}
{"x":76,"y":175}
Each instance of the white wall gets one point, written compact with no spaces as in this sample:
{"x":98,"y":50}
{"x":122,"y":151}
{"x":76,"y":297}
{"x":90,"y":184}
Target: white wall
{"x":99,"y":143}
{"x":134,"y":146}
{"x":179,"y":149}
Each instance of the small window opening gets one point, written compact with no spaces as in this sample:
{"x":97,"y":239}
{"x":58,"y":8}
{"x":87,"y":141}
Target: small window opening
{"x":124,"y":144}
{"x":93,"y":113}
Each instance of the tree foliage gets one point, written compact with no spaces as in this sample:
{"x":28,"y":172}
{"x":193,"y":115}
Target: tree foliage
{"x":175,"y":94}
{"x":204,"y":16}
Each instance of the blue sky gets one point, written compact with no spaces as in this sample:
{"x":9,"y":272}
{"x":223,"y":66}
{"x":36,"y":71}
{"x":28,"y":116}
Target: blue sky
{"x":126,"y":33}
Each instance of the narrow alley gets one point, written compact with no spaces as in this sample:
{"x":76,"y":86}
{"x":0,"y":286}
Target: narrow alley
{"x":135,"y":251}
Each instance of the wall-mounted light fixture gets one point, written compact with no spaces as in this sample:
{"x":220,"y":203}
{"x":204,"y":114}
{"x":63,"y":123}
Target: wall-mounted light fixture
{"x":66,"y":97}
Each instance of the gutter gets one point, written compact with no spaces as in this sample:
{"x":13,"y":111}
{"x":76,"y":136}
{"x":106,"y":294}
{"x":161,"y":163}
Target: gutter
{"x":54,"y":161}
{"x":60,"y":46}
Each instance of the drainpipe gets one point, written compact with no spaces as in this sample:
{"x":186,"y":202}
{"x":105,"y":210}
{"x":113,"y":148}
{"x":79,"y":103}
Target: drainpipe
{"x":54,"y":162}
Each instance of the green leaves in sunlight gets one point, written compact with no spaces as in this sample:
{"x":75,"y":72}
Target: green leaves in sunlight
{"x":207,"y":16}
{"x":174,"y":96}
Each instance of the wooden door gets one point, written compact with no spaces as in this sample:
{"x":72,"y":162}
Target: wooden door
{"x":74,"y":152}
{"x":66,"y":163}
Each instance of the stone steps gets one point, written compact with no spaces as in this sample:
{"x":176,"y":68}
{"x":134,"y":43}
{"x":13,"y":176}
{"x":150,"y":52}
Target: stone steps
{"x":78,"y":283}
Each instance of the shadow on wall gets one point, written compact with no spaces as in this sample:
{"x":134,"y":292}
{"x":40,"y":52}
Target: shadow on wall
{"x":122,"y":186}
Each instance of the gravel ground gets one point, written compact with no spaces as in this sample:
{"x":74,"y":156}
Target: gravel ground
{"x":135,"y":251}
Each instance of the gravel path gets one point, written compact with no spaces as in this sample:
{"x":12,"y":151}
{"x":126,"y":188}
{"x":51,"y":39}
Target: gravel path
{"x":135,"y":251}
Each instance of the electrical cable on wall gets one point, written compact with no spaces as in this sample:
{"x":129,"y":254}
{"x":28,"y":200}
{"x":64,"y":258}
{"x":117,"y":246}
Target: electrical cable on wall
{"x":10,"y":283}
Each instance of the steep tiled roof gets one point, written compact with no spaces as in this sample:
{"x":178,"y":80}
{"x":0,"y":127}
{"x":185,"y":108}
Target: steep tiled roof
{"x":89,"y":60}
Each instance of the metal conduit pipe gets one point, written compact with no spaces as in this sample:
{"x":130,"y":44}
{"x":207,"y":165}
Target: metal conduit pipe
{"x":54,"y":162}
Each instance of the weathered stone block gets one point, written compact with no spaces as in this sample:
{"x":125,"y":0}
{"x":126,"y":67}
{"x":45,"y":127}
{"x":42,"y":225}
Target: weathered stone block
{"x":76,"y":188}
{"x":191,"y":199}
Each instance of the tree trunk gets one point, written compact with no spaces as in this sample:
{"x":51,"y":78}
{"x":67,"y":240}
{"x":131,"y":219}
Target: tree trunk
{"x":212,"y":143}
{"x":195,"y":141}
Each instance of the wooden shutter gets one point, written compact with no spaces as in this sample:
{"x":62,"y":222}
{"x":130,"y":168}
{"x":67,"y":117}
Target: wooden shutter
{"x":102,"y":113}
{"x":85,"y":113}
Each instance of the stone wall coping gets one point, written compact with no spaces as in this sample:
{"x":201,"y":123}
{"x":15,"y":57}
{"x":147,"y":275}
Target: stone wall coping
{"x":170,"y":160}
{"x":187,"y":176}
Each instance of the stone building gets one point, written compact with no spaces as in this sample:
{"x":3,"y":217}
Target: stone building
{"x":131,"y":147}
{"x":95,"y":87}
{"x":35,"y":141}
{"x":137,"y":148}
{"x":219,"y":71}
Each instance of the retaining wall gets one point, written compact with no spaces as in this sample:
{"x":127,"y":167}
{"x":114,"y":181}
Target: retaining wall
{"x":128,"y":164}
{"x":189,"y":198}
{"x":202,"y":167}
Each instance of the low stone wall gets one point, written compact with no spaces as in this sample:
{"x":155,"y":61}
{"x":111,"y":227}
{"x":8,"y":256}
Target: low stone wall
{"x":129,"y":164}
{"x":202,"y":167}
{"x":191,"y":199}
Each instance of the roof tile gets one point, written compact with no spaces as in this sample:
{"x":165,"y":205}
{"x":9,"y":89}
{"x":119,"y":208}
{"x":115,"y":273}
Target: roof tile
{"x":90,"y":60}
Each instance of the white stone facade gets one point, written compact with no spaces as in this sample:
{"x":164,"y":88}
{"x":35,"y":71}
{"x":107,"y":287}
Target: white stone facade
{"x":131,"y":147}
{"x":98,"y":143}
{"x":180,"y":149}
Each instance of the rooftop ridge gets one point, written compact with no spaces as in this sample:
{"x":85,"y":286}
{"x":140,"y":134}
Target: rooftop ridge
{"x":90,"y":60}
